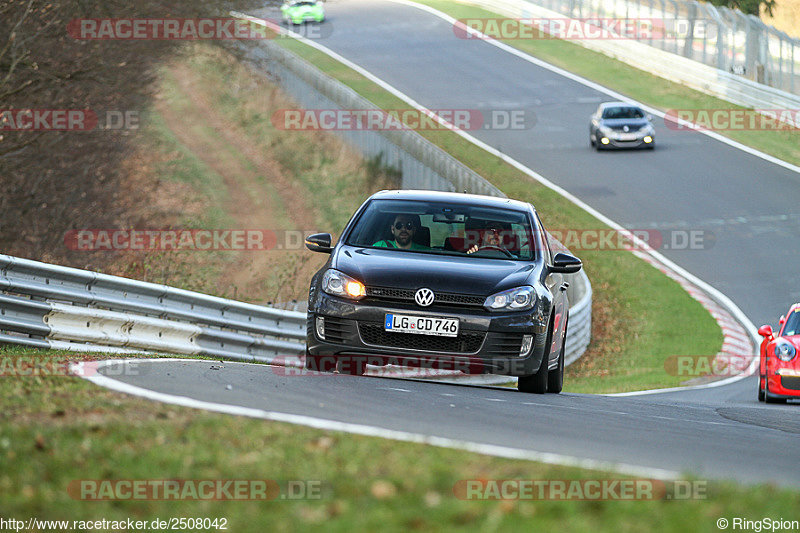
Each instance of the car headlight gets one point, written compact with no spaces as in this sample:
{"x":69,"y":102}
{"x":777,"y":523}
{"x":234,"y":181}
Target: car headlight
{"x":517,"y":299}
{"x":785,"y":351}
{"x":606,"y":131}
{"x":340,"y":284}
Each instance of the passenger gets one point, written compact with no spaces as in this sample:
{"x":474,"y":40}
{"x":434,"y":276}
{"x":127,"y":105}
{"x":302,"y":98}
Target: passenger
{"x":403,"y":229}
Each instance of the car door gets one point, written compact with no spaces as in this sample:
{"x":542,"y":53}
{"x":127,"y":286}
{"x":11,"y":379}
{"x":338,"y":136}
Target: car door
{"x":555,"y":283}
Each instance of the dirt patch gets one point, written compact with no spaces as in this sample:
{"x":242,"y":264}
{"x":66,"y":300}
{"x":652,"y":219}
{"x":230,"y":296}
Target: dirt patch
{"x":258,"y":193}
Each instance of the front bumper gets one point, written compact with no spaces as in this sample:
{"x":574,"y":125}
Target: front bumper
{"x":784,"y":383}
{"x":637,"y":142}
{"x":486,"y":342}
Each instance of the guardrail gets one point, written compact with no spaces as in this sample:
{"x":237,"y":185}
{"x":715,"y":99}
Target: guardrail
{"x":52,"y":306}
{"x":674,"y":65}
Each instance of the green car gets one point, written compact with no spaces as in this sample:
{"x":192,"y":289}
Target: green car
{"x":299,"y":11}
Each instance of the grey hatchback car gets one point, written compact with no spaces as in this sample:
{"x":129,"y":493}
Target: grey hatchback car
{"x":621,"y":125}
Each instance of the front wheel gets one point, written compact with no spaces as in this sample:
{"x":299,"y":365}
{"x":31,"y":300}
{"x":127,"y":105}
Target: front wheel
{"x":537,"y":383}
{"x":555,"y":378}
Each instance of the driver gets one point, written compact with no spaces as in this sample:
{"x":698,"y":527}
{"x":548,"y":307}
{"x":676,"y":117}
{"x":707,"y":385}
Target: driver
{"x":491,"y":236}
{"x":403,"y":228}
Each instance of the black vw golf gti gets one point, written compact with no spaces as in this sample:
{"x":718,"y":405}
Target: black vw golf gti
{"x":441,"y":280}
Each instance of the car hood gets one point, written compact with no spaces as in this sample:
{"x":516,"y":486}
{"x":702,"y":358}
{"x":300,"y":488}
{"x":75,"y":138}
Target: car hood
{"x":633,"y":123}
{"x":409,"y":270}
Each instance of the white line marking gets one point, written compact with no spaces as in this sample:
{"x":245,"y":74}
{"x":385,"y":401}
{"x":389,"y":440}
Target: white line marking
{"x":394,"y":388}
{"x":374,"y":431}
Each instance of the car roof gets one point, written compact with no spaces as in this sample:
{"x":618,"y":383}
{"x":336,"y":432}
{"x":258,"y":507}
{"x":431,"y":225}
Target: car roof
{"x":453,"y":198}
{"x":794,"y":307}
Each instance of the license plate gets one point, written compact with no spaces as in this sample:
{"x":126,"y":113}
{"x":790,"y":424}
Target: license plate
{"x":627,"y":136}
{"x":421,"y":325}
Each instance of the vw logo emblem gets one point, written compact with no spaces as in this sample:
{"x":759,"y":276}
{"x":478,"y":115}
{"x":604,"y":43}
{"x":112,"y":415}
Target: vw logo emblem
{"x":424,"y":297}
{"x":625,"y":128}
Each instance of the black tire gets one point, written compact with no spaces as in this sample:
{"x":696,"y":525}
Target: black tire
{"x":555,"y":379}
{"x":537,"y":383}
{"x":592,"y":142}
{"x":761,"y":394}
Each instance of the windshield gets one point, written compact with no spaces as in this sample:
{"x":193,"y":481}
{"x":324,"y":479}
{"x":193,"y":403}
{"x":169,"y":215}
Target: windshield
{"x":792,"y":326}
{"x":622,"y":112}
{"x":439,"y":228}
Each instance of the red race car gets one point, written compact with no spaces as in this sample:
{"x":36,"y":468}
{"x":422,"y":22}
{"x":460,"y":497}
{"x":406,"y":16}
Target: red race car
{"x":779,"y":368}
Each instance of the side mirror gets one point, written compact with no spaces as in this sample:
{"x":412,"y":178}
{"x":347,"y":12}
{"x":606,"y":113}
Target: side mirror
{"x":650,"y":118}
{"x":565,"y":263}
{"x":782,"y":320}
{"x":319,"y":242}
{"x":765,"y":331}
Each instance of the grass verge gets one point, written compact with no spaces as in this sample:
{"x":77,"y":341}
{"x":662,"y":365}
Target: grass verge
{"x":55,"y":429}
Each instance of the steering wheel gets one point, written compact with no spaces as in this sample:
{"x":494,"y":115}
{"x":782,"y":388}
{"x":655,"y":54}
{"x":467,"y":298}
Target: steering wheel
{"x":496,"y":248}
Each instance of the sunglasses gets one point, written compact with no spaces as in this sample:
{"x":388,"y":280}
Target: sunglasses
{"x":400,"y":225}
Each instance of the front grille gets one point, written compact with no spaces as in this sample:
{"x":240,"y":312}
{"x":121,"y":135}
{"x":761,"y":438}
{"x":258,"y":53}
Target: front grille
{"x":440,"y":298}
{"x":467,"y":341}
{"x":631,"y":129}
{"x":335,"y":329}
{"x":791,"y":383}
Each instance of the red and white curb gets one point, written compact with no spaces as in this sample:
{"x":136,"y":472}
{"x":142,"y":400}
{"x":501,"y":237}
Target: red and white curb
{"x":737,"y":343}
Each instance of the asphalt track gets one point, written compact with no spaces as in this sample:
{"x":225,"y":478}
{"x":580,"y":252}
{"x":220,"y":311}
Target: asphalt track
{"x":650,"y":433}
{"x":689,"y":182}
